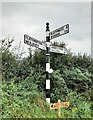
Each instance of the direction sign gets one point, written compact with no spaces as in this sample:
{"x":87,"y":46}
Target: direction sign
{"x":41,"y":45}
{"x":59,"y":105}
{"x":34,"y":42}
{"x":56,"y":49}
{"x":60,"y":31}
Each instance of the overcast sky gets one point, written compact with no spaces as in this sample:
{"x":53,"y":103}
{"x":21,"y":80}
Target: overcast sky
{"x":30,"y":18}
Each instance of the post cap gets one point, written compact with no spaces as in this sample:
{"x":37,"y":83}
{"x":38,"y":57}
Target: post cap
{"x":47,"y":26}
{"x":47,"y":23}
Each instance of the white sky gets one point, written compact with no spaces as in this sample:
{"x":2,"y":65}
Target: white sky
{"x":30,"y":18}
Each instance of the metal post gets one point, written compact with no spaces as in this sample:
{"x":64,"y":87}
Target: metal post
{"x":47,"y":63}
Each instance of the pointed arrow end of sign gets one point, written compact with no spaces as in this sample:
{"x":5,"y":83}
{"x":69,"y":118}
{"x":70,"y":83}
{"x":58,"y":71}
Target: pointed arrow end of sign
{"x":51,"y":105}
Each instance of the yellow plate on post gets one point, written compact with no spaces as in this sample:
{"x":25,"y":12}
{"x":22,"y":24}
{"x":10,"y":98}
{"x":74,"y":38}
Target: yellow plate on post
{"x":59,"y":105}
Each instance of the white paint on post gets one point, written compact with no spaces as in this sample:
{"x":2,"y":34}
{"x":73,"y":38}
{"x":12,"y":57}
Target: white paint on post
{"x":50,"y":70}
{"x":48,"y":100}
{"x":47,"y":33}
{"x":47,"y":54}
{"x":47,"y":84}
{"x":47,"y":67}
{"x":48,"y":44}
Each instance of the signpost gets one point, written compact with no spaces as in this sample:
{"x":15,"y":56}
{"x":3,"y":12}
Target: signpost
{"x":58,"y":106}
{"x":46,"y":46}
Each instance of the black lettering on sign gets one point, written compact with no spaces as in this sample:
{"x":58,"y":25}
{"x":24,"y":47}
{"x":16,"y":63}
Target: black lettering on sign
{"x":32,"y":43}
{"x":52,"y":106}
{"x":26,"y":41}
{"x":58,"y":30}
{"x":65,"y":104}
{"x":27,"y":37}
{"x":56,"y":105}
{"x":56,"y":35}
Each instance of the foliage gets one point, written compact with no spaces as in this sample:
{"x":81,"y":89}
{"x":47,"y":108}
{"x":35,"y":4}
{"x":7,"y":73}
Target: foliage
{"x":23,"y":84}
{"x":25,"y":101}
{"x":21,"y":100}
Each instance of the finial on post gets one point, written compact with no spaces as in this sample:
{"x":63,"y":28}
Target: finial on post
{"x":47,"y":26}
